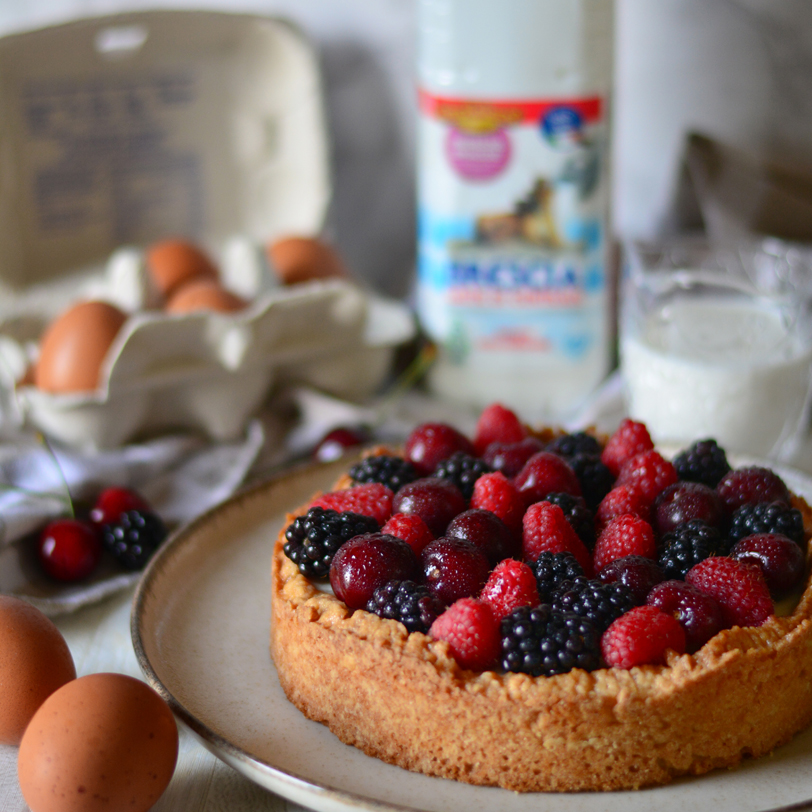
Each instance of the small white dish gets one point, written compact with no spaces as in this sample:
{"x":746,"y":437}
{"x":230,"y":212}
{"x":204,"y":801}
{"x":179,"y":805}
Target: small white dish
{"x":200,"y":628}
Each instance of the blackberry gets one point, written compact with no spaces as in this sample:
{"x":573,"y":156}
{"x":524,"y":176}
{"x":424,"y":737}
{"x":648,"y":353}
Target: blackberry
{"x":462,"y":470}
{"x":767,"y":517}
{"x":568,"y":445}
{"x":688,"y":544}
{"x":134,"y":537}
{"x":387,"y":469}
{"x":702,"y":462}
{"x":591,"y":599}
{"x":551,"y":569}
{"x":542,"y":642}
{"x":414,"y":605}
{"x":313,"y":539}
{"x":577,"y":514}
{"x":595,"y":478}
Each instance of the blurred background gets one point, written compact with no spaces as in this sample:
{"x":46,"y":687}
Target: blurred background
{"x":737,"y":70}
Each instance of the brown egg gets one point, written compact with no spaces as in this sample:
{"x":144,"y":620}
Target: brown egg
{"x":34,"y":661}
{"x":204,"y":294}
{"x":74,"y":345}
{"x":171,"y":263}
{"x":300,"y":259}
{"x":101,"y":742}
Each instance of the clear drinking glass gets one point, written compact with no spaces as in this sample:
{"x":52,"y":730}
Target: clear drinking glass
{"x":717,"y":344}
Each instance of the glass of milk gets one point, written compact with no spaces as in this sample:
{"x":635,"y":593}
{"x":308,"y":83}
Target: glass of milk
{"x":717,"y":344}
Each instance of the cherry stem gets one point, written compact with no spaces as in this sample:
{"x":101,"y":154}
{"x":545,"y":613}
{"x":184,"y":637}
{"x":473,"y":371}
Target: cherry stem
{"x":52,"y":454}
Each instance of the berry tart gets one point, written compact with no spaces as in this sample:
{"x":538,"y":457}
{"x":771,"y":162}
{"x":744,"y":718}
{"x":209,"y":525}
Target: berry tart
{"x":544,"y":611}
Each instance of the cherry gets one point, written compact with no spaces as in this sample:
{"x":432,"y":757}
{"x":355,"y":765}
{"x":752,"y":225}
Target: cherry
{"x":699,"y":614}
{"x":435,"y":500}
{"x":510,"y":458}
{"x":431,"y":443}
{"x":682,"y":501}
{"x":751,"y":485}
{"x":779,"y":558}
{"x":337,"y":441}
{"x":545,"y":473}
{"x":367,"y":562}
{"x":638,"y":573}
{"x":454,"y":568}
{"x":112,"y":502}
{"x":486,"y":531}
{"x":69,"y":549}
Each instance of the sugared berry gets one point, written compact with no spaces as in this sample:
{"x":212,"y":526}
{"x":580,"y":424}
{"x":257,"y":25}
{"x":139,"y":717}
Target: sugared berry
{"x":134,"y":537}
{"x":750,"y":485}
{"x":637,"y":573}
{"x":69,"y":549}
{"x":408,"y":602}
{"x":780,"y":559}
{"x":486,"y":531}
{"x":454,"y":568}
{"x":767,"y":517}
{"x":647,"y":473}
{"x":472,"y":633}
{"x":429,"y":443}
{"x":412,"y":529}
{"x":371,"y":499}
{"x":543,"y":642}
{"x":545,"y":473}
{"x":545,"y":528}
{"x":625,"y":535}
{"x":601,"y":603}
{"x":436,"y":501}
{"x":112,"y":502}
{"x":699,"y":614}
{"x":703,"y":461}
{"x":312,"y":540}
{"x":389,"y":470}
{"x":630,"y":438}
{"x":510,"y":586}
{"x":683,"y":501}
{"x":462,"y":470}
{"x":496,"y":493}
{"x":577,"y":514}
{"x":510,"y":458}
{"x":551,"y":570}
{"x":642,"y":636}
{"x":497,"y":424}
{"x":687,"y":545}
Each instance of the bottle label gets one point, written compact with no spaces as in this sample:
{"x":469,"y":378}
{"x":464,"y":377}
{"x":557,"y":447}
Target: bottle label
{"x":512,"y":227}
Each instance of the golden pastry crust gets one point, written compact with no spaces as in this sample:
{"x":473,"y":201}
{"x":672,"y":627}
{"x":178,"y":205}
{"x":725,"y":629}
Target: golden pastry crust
{"x":402,"y":698}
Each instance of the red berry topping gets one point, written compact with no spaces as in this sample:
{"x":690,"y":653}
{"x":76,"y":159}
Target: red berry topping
{"x":472,"y":633}
{"x":779,"y":558}
{"x":496,"y":493}
{"x":435,"y":500}
{"x":647,"y":473}
{"x":546,"y":529}
{"x":637,"y":573}
{"x":69,"y":549}
{"x":738,"y":588}
{"x":618,"y":501}
{"x":748,"y":486}
{"x":412,"y":529}
{"x":630,"y":438}
{"x":682,"y":501}
{"x":511,"y":585}
{"x":370,"y":499}
{"x":642,"y":637}
{"x":431,"y":443}
{"x":510,"y":458}
{"x":112,"y":502}
{"x":625,"y":535}
{"x":699,"y":614}
{"x":367,"y":562}
{"x":486,"y":531}
{"x":545,"y":473}
{"x":497,"y":424}
{"x":454,"y":568}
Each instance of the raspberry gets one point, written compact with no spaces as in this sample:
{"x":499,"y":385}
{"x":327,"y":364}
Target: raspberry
{"x":568,"y":445}
{"x":410,"y":603}
{"x":702,"y":462}
{"x":462,"y":470}
{"x":472,"y":634}
{"x":647,"y":473}
{"x":779,"y":558}
{"x":698,"y":614}
{"x":738,"y":588}
{"x":767,"y":517}
{"x":577,"y":514}
{"x":748,"y":486}
{"x":497,"y":424}
{"x":630,"y":438}
{"x":134,"y":537}
{"x":545,"y":473}
{"x":626,"y":535}
{"x":313,"y":539}
{"x":687,"y":545}
{"x":510,"y":458}
{"x":429,"y":443}
{"x":598,"y":602}
{"x":394,"y":472}
{"x":621,"y":499}
{"x":372,"y":499}
{"x":542,"y":642}
{"x":551,"y":570}
{"x":510,"y":586}
{"x":642,"y":637}
{"x":412,"y":529}
{"x":639,"y":574}
{"x":545,"y":528}
{"x":496,"y":493}
{"x":595,"y":478}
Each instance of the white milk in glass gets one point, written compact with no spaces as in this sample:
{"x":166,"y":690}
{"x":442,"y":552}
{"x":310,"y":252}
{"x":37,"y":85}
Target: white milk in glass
{"x":731,"y":369}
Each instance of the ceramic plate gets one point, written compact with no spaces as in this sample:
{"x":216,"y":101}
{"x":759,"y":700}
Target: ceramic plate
{"x":200,"y":629}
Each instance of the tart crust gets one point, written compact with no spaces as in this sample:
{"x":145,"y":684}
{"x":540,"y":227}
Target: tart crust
{"x":402,"y":698}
